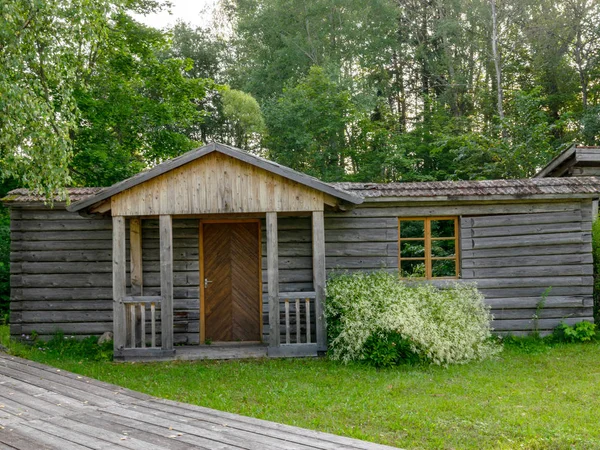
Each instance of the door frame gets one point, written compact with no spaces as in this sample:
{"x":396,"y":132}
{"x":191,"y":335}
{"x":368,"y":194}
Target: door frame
{"x":201,"y":266}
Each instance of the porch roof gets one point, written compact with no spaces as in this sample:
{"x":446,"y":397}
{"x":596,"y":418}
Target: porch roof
{"x":237,"y":154}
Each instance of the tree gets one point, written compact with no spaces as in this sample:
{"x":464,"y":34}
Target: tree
{"x":136,"y":109}
{"x":243,"y":117}
{"x":307,"y":126}
{"x":48,"y":48}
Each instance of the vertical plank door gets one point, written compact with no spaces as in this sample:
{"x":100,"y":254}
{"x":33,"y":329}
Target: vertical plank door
{"x":232,"y":293}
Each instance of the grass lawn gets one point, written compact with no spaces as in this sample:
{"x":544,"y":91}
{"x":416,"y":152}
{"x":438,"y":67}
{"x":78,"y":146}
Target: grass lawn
{"x":535,"y":397}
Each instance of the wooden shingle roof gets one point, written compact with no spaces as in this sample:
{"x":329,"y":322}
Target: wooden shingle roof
{"x":23,"y":195}
{"x":510,"y":189}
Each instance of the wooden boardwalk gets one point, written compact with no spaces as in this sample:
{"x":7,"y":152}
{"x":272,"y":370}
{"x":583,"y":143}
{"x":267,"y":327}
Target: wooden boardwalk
{"x":45,"y":408}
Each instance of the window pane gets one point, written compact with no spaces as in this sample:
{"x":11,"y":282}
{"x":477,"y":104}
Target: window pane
{"x":412,"y":269}
{"x":443,"y":268}
{"x":412,"y":249}
{"x":442,"y":228}
{"x":441,"y":249}
{"x":412,"y":229}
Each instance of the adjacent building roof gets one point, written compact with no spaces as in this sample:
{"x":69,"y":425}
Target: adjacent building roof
{"x":575,"y":161}
{"x":464,"y":190}
{"x":238,"y":154}
{"x":22,"y":195}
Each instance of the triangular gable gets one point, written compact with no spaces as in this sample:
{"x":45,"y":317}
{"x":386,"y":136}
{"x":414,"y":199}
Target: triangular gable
{"x":216,"y":179}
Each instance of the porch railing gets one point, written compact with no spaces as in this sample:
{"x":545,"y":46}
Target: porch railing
{"x":136,"y":334}
{"x":298,"y":341}
{"x":300,"y":301}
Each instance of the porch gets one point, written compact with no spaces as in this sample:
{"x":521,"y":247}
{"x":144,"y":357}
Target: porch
{"x":237,"y":200}
{"x":143,"y":324}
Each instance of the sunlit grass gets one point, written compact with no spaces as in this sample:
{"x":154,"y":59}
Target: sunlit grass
{"x":534,"y":396}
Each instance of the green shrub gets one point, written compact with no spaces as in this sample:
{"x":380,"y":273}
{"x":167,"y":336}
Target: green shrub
{"x":580,"y":332}
{"x":387,"y":349}
{"x":69,"y":347}
{"x":369,"y":312}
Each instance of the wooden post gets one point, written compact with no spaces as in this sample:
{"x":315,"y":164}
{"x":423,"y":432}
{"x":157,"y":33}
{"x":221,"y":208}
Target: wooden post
{"x":319,"y":275}
{"x":136,"y":270}
{"x":273,"y":278}
{"x":135,"y":244}
{"x":119,"y":283}
{"x":166,"y":281}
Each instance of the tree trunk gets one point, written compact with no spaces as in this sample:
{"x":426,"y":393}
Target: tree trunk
{"x":497,"y":62}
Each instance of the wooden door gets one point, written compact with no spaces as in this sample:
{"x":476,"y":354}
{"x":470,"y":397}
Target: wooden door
{"x":231,"y":298}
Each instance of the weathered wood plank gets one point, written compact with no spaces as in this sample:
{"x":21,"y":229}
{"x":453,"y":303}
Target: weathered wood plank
{"x":541,"y":250}
{"x":526,"y":261}
{"x":66,"y":316}
{"x":502,"y":220}
{"x":166,"y":281}
{"x":527,"y":324}
{"x":446,"y":208}
{"x":135,"y":245}
{"x":92,"y":243}
{"x":319,"y":277}
{"x":531,"y":303}
{"x":367,"y":223}
{"x":528,"y":271}
{"x":517,"y":230}
{"x":533,"y":291}
{"x":273,"y":277}
{"x":522,"y":241}
{"x":68,"y":225}
{"x":535,"y":281}
{"x":118,"y":282}
{"x":359,"y":235}
{"x":60,"y":256}
{"x":60,"y":235}
{"x":543,"y":313}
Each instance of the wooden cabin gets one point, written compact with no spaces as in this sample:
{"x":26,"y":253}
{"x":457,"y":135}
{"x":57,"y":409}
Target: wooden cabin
{"x":225,"y":248}
{"x":576,"y":161}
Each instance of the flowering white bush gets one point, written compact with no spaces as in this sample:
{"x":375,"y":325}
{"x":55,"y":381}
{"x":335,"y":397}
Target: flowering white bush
{"x":441,"y":325}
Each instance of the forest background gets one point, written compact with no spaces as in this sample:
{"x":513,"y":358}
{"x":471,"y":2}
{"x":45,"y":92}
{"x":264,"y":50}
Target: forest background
{"x":345,"y":90}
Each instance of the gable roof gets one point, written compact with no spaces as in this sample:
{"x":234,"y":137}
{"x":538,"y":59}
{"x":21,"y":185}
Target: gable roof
{"x":236,"y":153}
{"x":484,"y":189}
{"x":576,"y":155}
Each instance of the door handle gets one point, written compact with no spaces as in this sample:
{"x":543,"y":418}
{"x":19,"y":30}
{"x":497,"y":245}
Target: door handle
{"x":206,"y":283}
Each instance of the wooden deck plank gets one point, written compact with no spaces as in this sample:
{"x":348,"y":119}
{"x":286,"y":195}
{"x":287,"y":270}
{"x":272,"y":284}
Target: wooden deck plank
{"x":216,"y":433}
{"x":134,"y":429}
{"x":291,"y":434}
{"x":49,"y":439}
{"x":17,"y":440}
{"x":46,"y":407}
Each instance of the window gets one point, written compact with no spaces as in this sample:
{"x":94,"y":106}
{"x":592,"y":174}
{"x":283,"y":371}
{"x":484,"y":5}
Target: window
{"x":428,"y":247}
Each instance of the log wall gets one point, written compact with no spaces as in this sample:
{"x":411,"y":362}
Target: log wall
{"x":516,"y":252}
{"x":61,"y":262}
{"x":61,"y":273}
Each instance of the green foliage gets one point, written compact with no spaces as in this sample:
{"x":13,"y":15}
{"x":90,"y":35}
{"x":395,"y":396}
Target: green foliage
{"x":244,"y":117}
{"x":580,"y":332}
{"x":421,"y":84}
{"x":47,"y":51}
{"x":441,"y":326}
{"x":307,"y":126}
{"x":138,"y":109}
{"x":61,"y":348}
{"x":389,"y":349}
